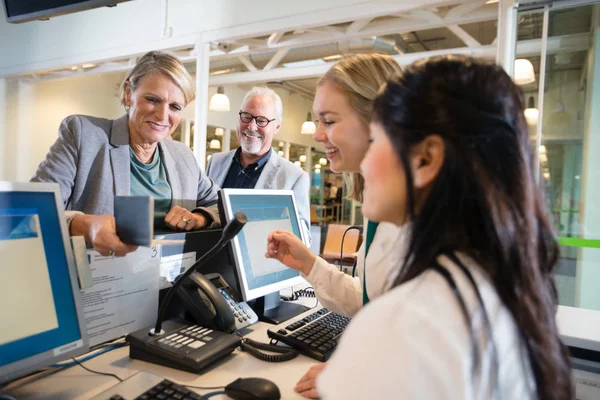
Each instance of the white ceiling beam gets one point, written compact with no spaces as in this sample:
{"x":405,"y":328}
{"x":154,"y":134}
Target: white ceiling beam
{"x":99,"y":57}
{"x":247,"y":63}
{"x":464,"y":36}
{"x":357,"y":26}
{"x":423,"y":15}
{"x":274,"y":38}
{"x":378,"y":28}
{"x":253,"y":42}
{"x":320,"y":18}
{"x":275,"y":59}
{"x":464,"y":9}
{"x":527,"y":48}
{"x":557,"y":44}
{"x":326,"y":29}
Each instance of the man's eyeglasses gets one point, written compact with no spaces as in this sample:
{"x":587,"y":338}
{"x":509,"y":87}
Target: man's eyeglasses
{"x":261,"y":121}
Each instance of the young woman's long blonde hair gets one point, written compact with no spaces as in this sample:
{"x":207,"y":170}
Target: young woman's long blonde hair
{"x":359,"y":77}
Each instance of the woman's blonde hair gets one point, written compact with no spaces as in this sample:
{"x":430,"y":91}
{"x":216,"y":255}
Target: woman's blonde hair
{"x":359,"y":77}
{"x":163,"y":63}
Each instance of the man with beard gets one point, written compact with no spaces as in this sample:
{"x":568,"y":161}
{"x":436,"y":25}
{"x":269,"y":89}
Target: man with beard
{"x":255,"y":165}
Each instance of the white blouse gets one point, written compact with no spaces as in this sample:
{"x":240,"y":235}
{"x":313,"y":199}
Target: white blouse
{"x":342,"y":293}
{"x":413,"y":343}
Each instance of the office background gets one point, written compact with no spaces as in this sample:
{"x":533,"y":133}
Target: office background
{"x":74,"y":64}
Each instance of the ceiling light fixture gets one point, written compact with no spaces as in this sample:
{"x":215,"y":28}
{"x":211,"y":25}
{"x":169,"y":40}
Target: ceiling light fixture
{"x":532,"y":114}
{"x":524,"y":73}
{"x":219,"y":101}
{"x":308,"y":127}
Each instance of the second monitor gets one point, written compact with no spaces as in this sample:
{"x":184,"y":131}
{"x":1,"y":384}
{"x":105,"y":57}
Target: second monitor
{"x":261,"y":279}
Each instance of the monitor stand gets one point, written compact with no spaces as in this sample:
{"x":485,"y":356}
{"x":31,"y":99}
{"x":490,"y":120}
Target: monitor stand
{"x":271,"y":309}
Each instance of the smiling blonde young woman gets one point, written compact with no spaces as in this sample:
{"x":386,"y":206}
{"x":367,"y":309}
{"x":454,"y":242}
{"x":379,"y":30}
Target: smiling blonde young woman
{"x":343,"y":106}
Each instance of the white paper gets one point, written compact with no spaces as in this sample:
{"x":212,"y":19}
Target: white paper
{"x":256,"y":234}
{"x":171,"y":266}
{"x":26,"y":281}
{"x":124,"y":297}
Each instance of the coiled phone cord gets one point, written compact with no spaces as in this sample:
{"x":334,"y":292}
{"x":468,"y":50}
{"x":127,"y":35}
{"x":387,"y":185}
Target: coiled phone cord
{"x":306,"y":292}
{"x":254,"y":348}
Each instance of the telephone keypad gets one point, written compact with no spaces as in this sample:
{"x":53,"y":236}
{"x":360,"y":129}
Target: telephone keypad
{"x":187,"y":339}
{"x":242,"y":313}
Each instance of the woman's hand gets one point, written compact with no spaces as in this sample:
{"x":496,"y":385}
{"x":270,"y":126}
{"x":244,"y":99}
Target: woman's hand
{"x":181,"y":219}
{"x":287,"y":248}
{"x":100,"y":232}
{"x":307,"y":385}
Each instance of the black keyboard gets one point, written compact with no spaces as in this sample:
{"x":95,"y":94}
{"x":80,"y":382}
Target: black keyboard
{"x":314,"y":333}
{"x":148,"y":386}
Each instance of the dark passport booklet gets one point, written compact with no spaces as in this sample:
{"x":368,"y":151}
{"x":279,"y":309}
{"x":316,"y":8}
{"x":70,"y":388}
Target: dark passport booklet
{"x":134,"y":218}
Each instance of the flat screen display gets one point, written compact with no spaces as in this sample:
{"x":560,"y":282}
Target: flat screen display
{"x":27,"y":10}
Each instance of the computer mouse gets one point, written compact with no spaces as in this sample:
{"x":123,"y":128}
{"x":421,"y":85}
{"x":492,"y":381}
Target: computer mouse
{"x":252,"y":389}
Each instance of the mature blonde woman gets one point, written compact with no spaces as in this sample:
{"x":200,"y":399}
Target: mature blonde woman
{"x":95,"y":159}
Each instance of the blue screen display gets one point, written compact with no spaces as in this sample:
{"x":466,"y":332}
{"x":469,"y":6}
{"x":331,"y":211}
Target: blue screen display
{"x":19,"y":213}
{"x":263,"y":208}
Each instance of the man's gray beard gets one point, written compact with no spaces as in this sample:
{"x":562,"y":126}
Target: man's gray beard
{"x":250,"y":148}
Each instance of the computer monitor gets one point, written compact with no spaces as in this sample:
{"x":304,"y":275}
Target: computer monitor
{"x":40,"y":309}
{"x":259,"y":277}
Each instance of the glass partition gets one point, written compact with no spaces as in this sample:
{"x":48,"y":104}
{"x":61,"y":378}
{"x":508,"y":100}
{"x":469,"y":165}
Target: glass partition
{"x":567,"y":136}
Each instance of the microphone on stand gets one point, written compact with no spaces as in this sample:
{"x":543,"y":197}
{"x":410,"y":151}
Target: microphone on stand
{"x":154,"y":346}
{"x":231,"y":229}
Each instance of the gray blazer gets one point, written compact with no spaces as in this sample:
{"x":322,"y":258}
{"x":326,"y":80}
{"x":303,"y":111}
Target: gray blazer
{"x":90,"y":161}
{"x":278,"y":173}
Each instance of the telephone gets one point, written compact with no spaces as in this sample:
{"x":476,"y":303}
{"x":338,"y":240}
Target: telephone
{"x":193,"y":346}
{"x":210,"y":302}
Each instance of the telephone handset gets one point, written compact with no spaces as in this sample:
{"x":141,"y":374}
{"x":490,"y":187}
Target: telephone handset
{"x":215,"y":307}
{"x":218,"y":308}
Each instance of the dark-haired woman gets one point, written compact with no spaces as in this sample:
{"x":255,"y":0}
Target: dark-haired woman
{"x":471,"y":313}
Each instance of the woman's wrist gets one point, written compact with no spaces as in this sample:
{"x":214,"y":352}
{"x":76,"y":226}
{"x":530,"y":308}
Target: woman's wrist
{"x":79,"y":226}
{"x":310,"y":264}
{"x":201,"y":221}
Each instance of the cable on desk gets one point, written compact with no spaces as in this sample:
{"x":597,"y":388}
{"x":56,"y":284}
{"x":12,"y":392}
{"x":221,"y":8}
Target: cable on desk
{"x":211,"y":394}
{"x":100,"y":351}
{"x":202,"y":387}
{"x":7,"y":397}
{"x":96,"y":372}
{"x":119,"y":340}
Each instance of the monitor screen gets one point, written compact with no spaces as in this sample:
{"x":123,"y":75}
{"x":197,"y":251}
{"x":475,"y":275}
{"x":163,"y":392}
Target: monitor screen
{"x":41,"y":316}
{"x":29,"y":10}
{"x":266,"y":211}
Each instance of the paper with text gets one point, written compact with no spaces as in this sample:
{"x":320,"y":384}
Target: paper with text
{"x":124,"y":297}
{"x":172,"y":266}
